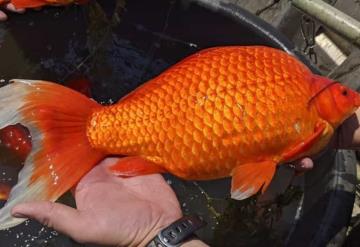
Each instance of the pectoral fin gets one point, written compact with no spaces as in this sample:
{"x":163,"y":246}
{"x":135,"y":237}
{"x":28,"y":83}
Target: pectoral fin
{"x":305,"y":145}
{"x":249,"y":178}
{"x":134,"y":166}
{"x":28,"y":3}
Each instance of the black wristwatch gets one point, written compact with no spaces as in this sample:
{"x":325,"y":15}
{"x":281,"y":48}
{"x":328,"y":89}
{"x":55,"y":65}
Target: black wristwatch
{"x":178,"y":232}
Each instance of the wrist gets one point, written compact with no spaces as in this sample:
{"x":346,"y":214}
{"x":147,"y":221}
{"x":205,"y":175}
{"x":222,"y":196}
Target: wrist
{"x":194,"y":243}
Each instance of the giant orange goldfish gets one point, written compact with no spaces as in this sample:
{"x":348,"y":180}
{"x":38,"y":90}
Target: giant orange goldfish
{"x":40,"y":3}
{"x":226,"y":111}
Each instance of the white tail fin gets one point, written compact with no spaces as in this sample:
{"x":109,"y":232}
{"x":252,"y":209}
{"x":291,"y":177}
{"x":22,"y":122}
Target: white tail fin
{"x":61,"y":154}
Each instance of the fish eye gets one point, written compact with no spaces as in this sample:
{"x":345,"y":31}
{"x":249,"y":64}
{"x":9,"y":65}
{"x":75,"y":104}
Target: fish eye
{"x":344,"y":92}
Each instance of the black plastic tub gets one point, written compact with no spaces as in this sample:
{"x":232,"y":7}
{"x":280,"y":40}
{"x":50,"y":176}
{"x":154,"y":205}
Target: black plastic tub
{"x":119,"y":45}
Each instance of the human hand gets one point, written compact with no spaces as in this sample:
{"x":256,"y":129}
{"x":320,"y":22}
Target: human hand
{"x":110,"y":210}
{"x":7,"y":6}
{"x":348,"y":134}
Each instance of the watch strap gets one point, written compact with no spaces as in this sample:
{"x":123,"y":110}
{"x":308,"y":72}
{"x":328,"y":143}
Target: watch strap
{"x":178,"y":232}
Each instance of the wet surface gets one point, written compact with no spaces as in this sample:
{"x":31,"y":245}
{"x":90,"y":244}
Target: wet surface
{"x":117,"y":46}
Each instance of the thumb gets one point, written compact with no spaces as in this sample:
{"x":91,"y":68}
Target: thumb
{"x":305,"y":164}
{"x":62,"y":218}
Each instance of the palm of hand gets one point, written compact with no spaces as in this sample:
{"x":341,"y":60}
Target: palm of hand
{"x":110,"y":210}
{"x":131,"y":207}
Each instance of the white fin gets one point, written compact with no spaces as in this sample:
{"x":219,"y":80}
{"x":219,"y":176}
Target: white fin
{"x":54,"y":115}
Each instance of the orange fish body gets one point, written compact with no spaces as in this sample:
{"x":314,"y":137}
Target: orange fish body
{"x":214,"y":111}
{"x":226,"y":111}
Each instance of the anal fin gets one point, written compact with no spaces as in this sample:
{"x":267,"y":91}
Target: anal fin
{"x":249,"y":178}
{"x":134,"y":166}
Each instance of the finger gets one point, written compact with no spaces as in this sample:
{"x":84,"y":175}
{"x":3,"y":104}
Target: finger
{"x":62,"y":218}
{"x":3,"y":16}
{"x":11,"y":7}
{"x":109,"y":161}
{"x":304,"y":164}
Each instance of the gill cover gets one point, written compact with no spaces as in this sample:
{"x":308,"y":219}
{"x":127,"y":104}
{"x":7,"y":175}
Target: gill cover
{"x":334,"y":102}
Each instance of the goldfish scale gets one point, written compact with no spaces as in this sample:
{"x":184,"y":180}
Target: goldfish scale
{"x":165,"y":126}
{"x":239,"y":98}
{"x":217,"y":117}
{"x":219,"y":104}
{"x":176,"y":157}
{"x":198,"y":123}
{"x":238,"y":125}
{"x":181,"y":118}
{"x":157,"y":128}
{"x":170,"y":133}
{"x":251,"y":110}
{"x":197,"y":136}
{"x":176,"y":97}
{"x":190,"y":102}
{"x":204,"y":75}
{"x":227,"y":142}
{"x":189,"y":127}
{"x":269,"y":75}
{"x":200,"y":99}
{"x":278,"y":71}
{"x":169,"y":91}
{"x":259,"y":66}
{"x":261,"y":121}
{"x":213,"y":74}
{"x":260,"y":90}
{"x":139,"y":139}
{"x":206,"y":147}
{"x":153,"y":117}
{"x":192,"y":90}
{"x":181,"y":131}
{"x":280,"y":93}
{"x":185,"y":154}
{"x":228,"y":113}
{"x":196,"y":71}
{"x":208,"y":133}
{"x":212,"y":82}
{"x":233,"y":70}
{"x":261,"y":106}
{"x":178,"y":142}
{"x":195,"y":151}
{"x":250,"y":125}
{"x":241,"y":69}
{"x":218,"y":130}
